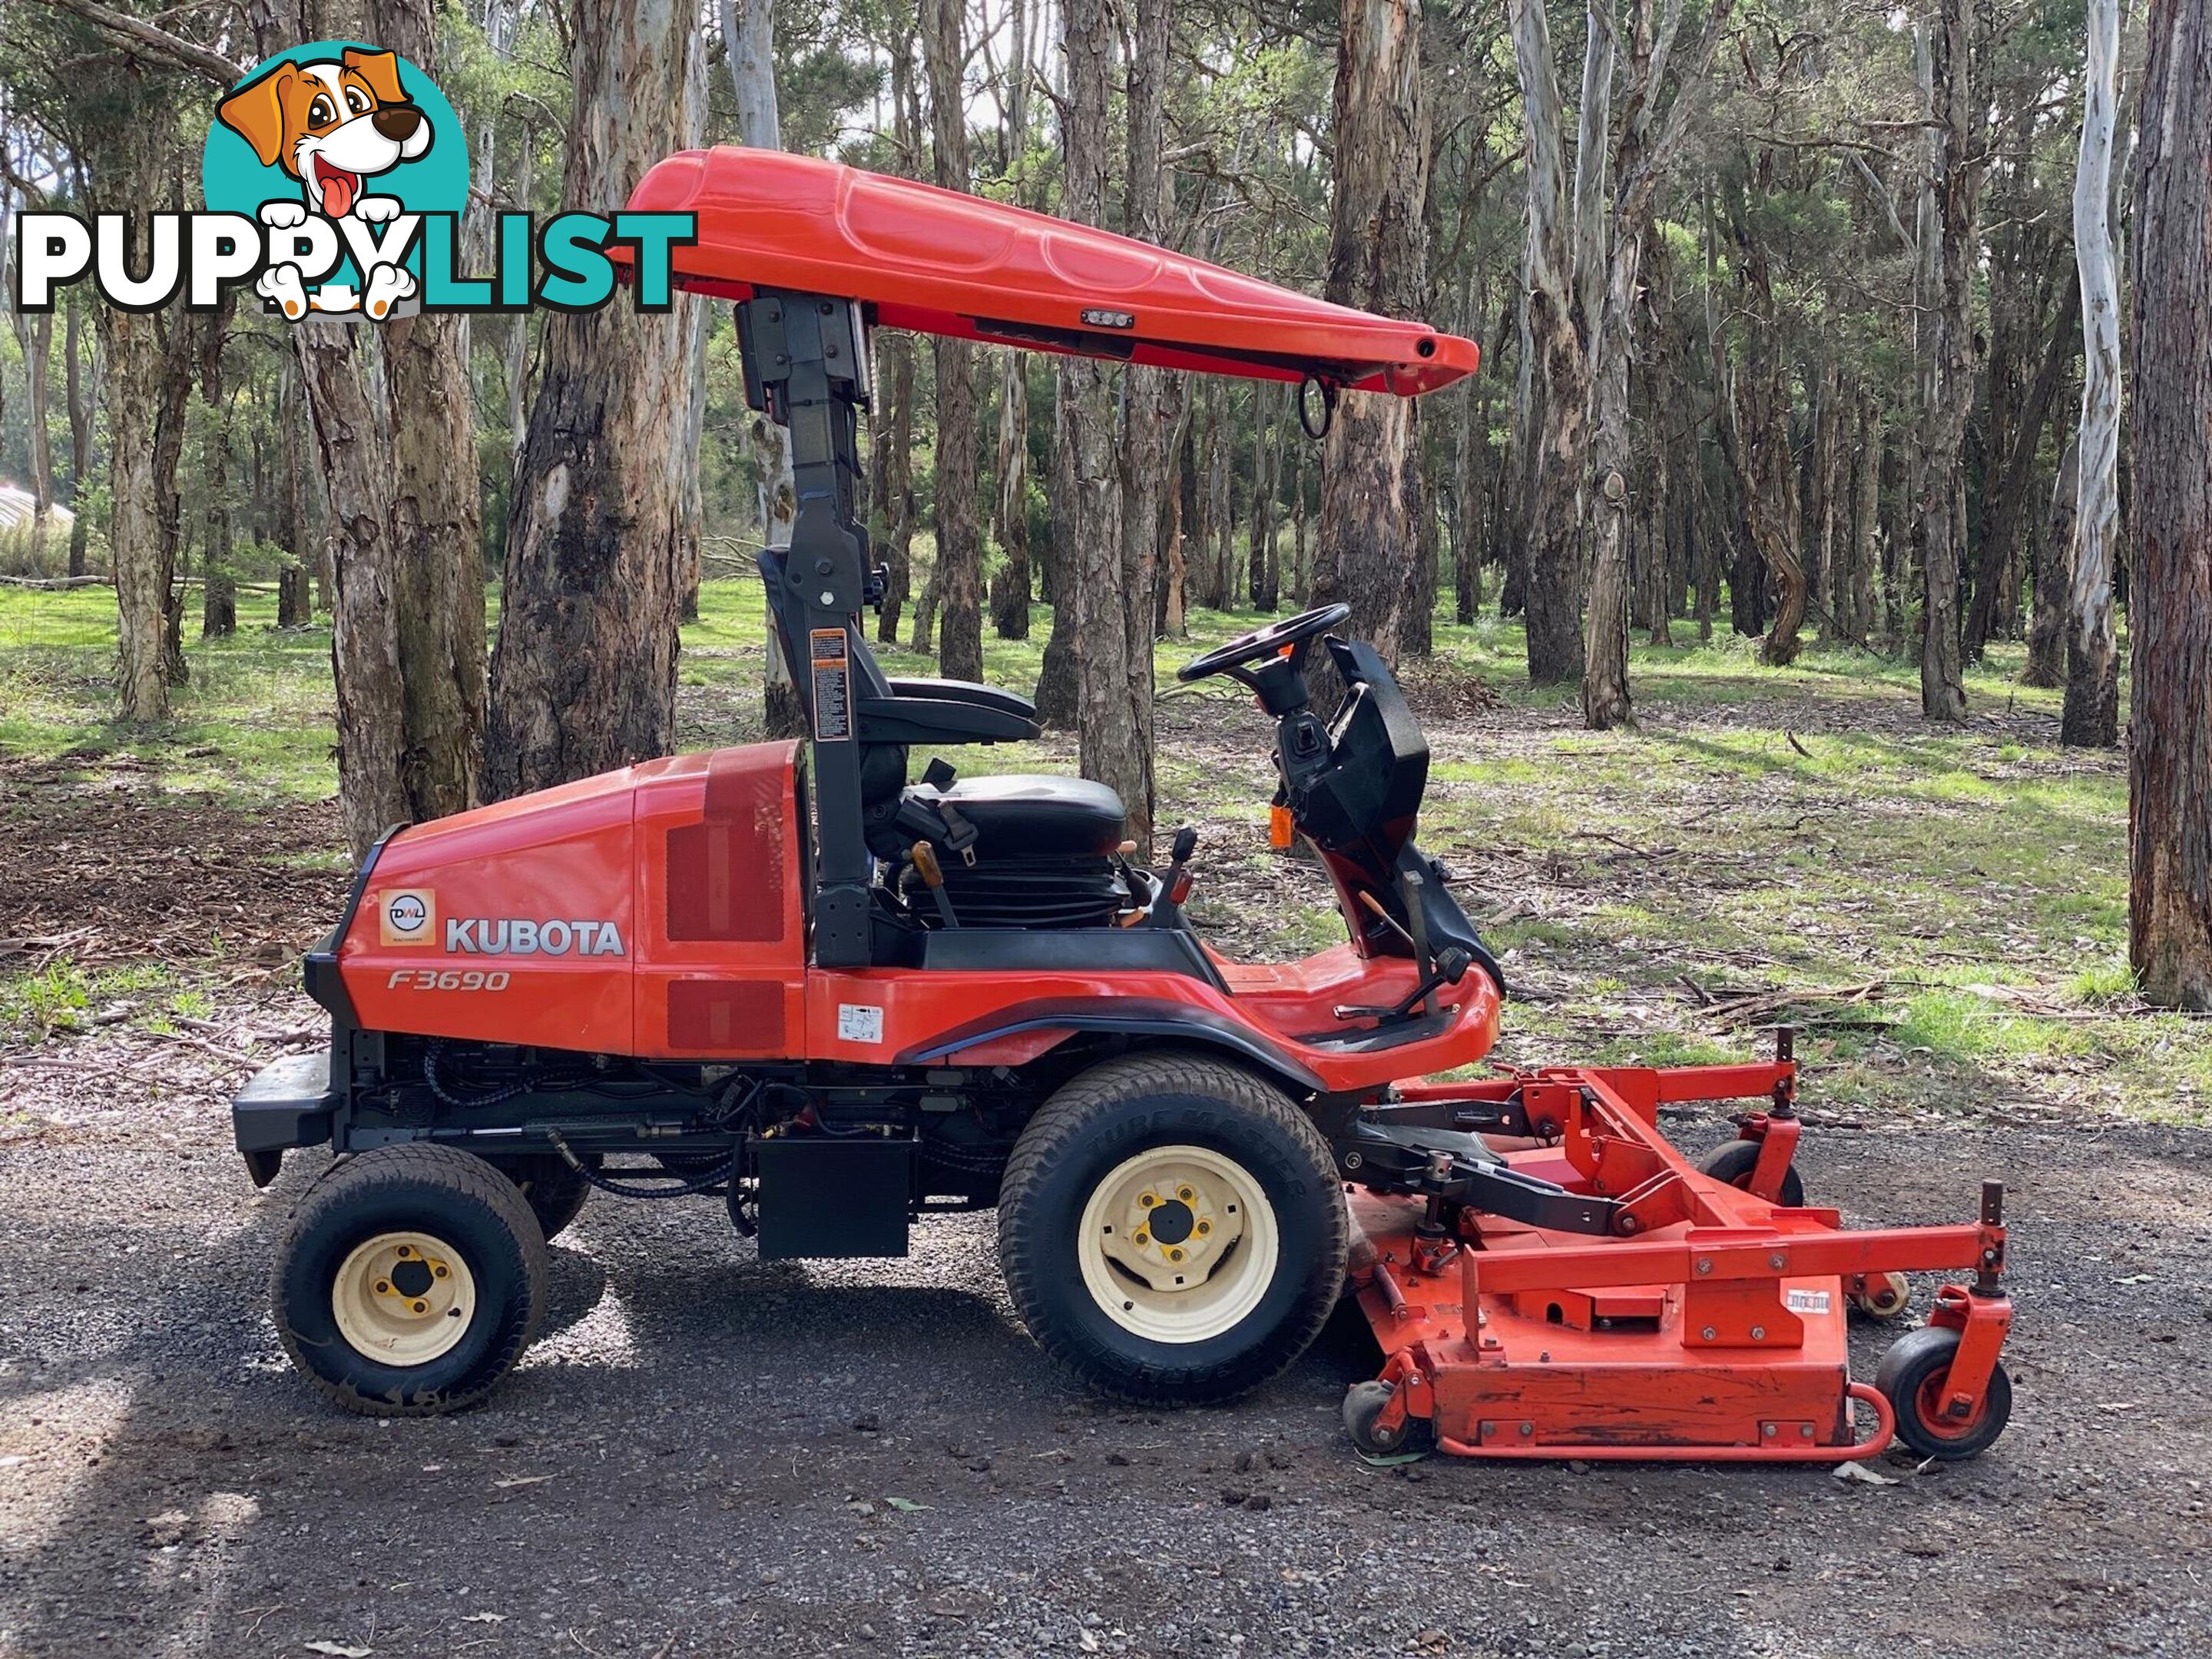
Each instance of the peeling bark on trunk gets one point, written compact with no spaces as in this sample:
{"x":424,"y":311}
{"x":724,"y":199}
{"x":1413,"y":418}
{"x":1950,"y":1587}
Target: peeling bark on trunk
{"x":1367,"y":547}
{"x":1112,"y":736}
{"x":2092,"y":716}
{"x":2169,"y":595}
{"x":584,"y":676}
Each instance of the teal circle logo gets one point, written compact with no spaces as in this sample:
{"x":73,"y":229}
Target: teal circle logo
{"x":333,"y":142}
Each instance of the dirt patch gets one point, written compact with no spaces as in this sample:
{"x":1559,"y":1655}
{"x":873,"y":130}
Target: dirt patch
{"x":116,"y":869}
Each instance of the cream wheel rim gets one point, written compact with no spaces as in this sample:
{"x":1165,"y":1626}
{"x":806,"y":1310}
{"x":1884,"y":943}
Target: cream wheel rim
{"x":1178,"y":1243}
{"x":404,"y":1299}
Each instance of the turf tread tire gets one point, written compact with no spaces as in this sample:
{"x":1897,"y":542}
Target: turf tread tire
{"x":1054,"y":1140}
{"x":407,"y":1174}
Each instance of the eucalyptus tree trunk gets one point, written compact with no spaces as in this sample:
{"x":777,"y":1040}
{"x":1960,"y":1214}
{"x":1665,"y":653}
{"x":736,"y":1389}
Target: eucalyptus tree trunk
{"x":1265,"y":585}
{"x":2054,"y":555}
{"x":1010,"y":588}
{"x":1866,"y":515}
{"x":37,"y":337}
{"x":517,"y":344}
{"x":218,"y":580}
{"x":584,"y":676}
{"x":891,"y":474}
{"x":891,"y":504}
{"x":959,"y":531}
{"x":2170,"y":594}
{"x":1368,"y":549}
{"x":1948,"y":351}
{"x":1556,"y":345}
{"x":2092,"y":716}
{"x":749,"y":41}
{"x":391,"y":413}
{"x":293,"y":440}
{"x":2006,"y":514}
{"x":1150,"y":411}
{"x":1110,"y":738}
{"x":81,"y":369}
{"x":127,"y":176}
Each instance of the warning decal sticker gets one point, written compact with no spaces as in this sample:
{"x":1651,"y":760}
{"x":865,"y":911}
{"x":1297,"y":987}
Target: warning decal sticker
{"x":833,"y":682}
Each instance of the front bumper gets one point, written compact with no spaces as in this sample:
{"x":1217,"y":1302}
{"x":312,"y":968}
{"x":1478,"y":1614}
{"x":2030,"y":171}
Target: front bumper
{"x":289,"y":1104}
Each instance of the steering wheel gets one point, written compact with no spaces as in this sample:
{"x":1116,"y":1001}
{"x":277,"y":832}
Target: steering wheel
{"x":1262,"y":643}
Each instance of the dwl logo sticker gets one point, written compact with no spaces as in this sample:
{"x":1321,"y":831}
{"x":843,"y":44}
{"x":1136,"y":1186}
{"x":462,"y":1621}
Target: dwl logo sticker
{"x":336,"y":176}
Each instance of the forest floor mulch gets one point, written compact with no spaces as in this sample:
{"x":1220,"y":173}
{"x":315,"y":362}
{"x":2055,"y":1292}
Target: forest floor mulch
{"x":708,"y":1454}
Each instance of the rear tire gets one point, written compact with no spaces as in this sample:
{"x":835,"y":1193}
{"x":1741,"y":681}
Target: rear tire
{"x":1172,"y":1229}
{"x":410,"y":1281}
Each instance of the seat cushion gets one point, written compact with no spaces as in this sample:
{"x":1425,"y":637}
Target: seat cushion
{"x":1035,"y":817}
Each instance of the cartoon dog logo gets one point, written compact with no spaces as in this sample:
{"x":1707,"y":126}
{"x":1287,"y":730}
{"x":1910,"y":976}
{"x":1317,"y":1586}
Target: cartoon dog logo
{"x":333,"y":125}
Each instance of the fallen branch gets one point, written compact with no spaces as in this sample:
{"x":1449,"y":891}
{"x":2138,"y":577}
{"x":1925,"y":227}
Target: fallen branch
{"x":54,"y":582}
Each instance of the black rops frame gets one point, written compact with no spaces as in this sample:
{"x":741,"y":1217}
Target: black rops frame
{"x":806,"y":368}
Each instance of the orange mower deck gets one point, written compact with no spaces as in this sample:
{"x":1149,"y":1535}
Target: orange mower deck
{"x":1710,"y":1327}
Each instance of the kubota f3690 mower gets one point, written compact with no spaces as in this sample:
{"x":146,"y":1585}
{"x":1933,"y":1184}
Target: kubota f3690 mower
{"x":844,"y":999}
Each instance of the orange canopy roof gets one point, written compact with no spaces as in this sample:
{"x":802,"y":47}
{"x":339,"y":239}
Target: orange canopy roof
{"x":942,"y":263}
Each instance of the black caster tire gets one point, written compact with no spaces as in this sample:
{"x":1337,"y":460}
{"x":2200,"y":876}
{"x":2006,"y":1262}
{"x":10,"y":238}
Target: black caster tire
{"x":1733,"y":1162}
{"x":1172,"y":1229}
{"x":1911,"y":1375}
{"x":1363,"y":1405}
{"x":409,"y":1281}
{"x":554,"y":1192}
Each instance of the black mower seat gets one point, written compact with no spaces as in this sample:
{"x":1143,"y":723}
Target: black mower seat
{"x":1035,"y":817}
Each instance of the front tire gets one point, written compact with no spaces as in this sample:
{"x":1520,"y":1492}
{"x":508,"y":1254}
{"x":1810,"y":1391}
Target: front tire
{"x":1172,"y":1229}
{"x":410,"y":1281}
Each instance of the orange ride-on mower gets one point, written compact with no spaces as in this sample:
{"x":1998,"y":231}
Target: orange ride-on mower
{"x":842,"y":998}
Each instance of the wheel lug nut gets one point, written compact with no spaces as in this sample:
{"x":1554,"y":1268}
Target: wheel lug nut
{"x":1204,"y":1228}
{"x":421,"y":1307}
{"x":440,"y":1271}
{"x":1184,"y":1193}
{"x":1147,"y":1201}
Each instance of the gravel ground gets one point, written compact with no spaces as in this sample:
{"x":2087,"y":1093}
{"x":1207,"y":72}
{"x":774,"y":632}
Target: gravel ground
{"x":707,"y":1455}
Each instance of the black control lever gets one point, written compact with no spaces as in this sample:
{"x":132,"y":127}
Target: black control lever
{"x":1174,"y":887}
{"x":1449,"y":968}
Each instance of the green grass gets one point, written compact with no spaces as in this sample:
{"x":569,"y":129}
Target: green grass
{"x":1762,"y":831}
{"x":63,"y":996}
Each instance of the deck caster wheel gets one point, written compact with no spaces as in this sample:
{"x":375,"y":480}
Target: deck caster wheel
{"x":1883,"y":1296}
{"x":1171,"y":1229}
{"x":1363,"y":1407}
{"x":410,"y":1281}
{"x":1733,"y":1162}
{"x":1912,"y":1374}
